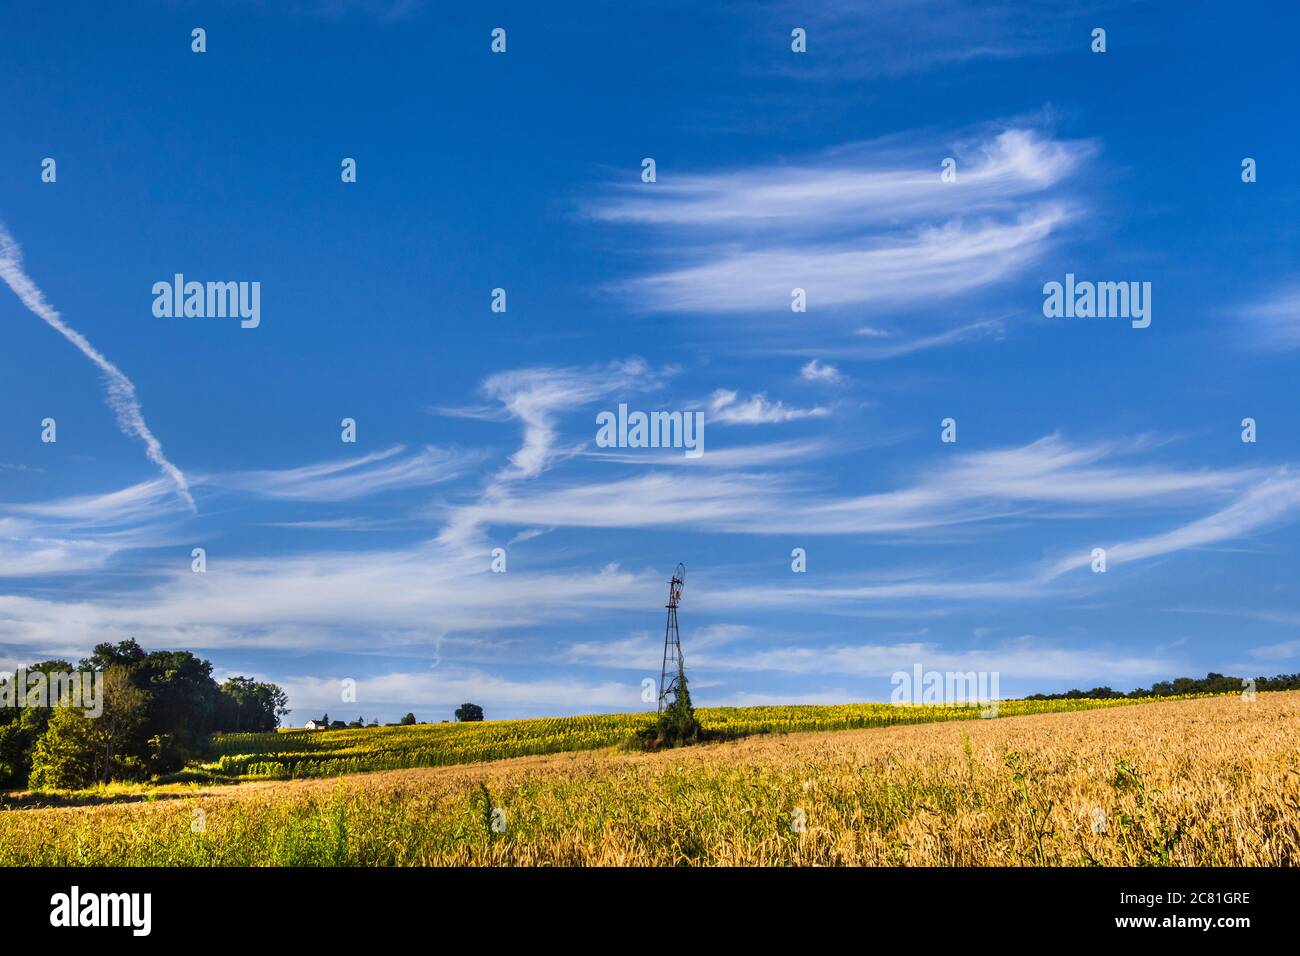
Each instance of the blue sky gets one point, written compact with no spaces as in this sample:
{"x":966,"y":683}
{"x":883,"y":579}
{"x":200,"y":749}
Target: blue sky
{"x":476,"y":429}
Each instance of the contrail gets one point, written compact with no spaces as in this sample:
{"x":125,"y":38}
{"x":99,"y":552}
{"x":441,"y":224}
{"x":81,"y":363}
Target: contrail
{"x":121,"y":393}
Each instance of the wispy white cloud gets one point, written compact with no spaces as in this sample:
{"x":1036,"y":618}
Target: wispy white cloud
{"x":352,"y":478}
{"x":1048,"y":480}
{"x":30,"y":552}
{"x":735,"y":457}
{"x":528,"y":534}
{"x":927,"y":587}
{"x":1022,"y":658}
{"x":705,"y":501}
{"x":878,"y":345}
{"x":323,"y":600}
{"x":932,"y":263}
{"x":1270,"y":615}
{"x":870,"y":224}
{"x":973,"y":487}
{"x":536,"y":397}
{"x":747,"y":651}
{"x":121,"y":392}
{"x":896,"y":37}
{"x":1268,"y":503}
{"x":84,"y":532}
{"x":920,"y":343}
{"x":1274,"y":320}
{"x":725,"y":407}
{"x":853,"y":186}
{"x":334,"y":524}
{"x":138,"y":502}
{"x":815,"y":371}
{"x":1273,"y":652}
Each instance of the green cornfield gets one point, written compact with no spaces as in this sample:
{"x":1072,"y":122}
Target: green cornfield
{"x":289,"y":754}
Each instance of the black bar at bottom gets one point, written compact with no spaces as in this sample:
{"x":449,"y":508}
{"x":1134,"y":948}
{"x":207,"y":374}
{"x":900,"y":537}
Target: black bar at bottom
{"x":334,"y":905}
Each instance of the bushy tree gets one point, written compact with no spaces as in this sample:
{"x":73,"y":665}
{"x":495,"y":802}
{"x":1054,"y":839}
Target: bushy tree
{"x":468,"y":712}
{"x":677,"y":723}
{"x":124,"y":653}
{"x":18,"y":737}
{"x":67,"y":756}
{"x":183,"y":699}
{"x":125,"y":713}
{"x":1211,"y":683}
{"x":165,"y":755}
{"x":76,"y":750}
{"x":250,"y":705}
{"x":21,"y":727}
{"x":407,"y":720}
{"x":167,"y":707}
{"x":15,"y":754}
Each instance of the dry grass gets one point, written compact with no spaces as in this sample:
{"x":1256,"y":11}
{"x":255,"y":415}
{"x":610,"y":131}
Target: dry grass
{"x":1186,"y":783}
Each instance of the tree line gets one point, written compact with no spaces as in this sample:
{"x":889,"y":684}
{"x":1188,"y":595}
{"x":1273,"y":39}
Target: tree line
{"x":159,"y":709}
{"x":1211,"y":683}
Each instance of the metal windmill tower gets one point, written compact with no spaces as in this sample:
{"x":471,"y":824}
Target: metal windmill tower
{"x":672,"y":673}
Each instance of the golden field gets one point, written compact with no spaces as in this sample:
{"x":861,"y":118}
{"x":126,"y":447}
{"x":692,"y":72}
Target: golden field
{"x":288,"y":753}
{"x":1197,"y":782}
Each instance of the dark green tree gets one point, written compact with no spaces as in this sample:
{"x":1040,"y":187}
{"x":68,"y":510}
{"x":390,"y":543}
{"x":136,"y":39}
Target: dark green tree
{"x":77,"y":750}
{"x":184,"y":700}
{"x":467,"y":712}
{"x":126,"y":653}
{"x":67,"y":756}
{"x":170,"y":707}
{"x":248,"y":705}
{"x":21,"y":727}
{"x":125,"y":712}
{"x":677,"y":723}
